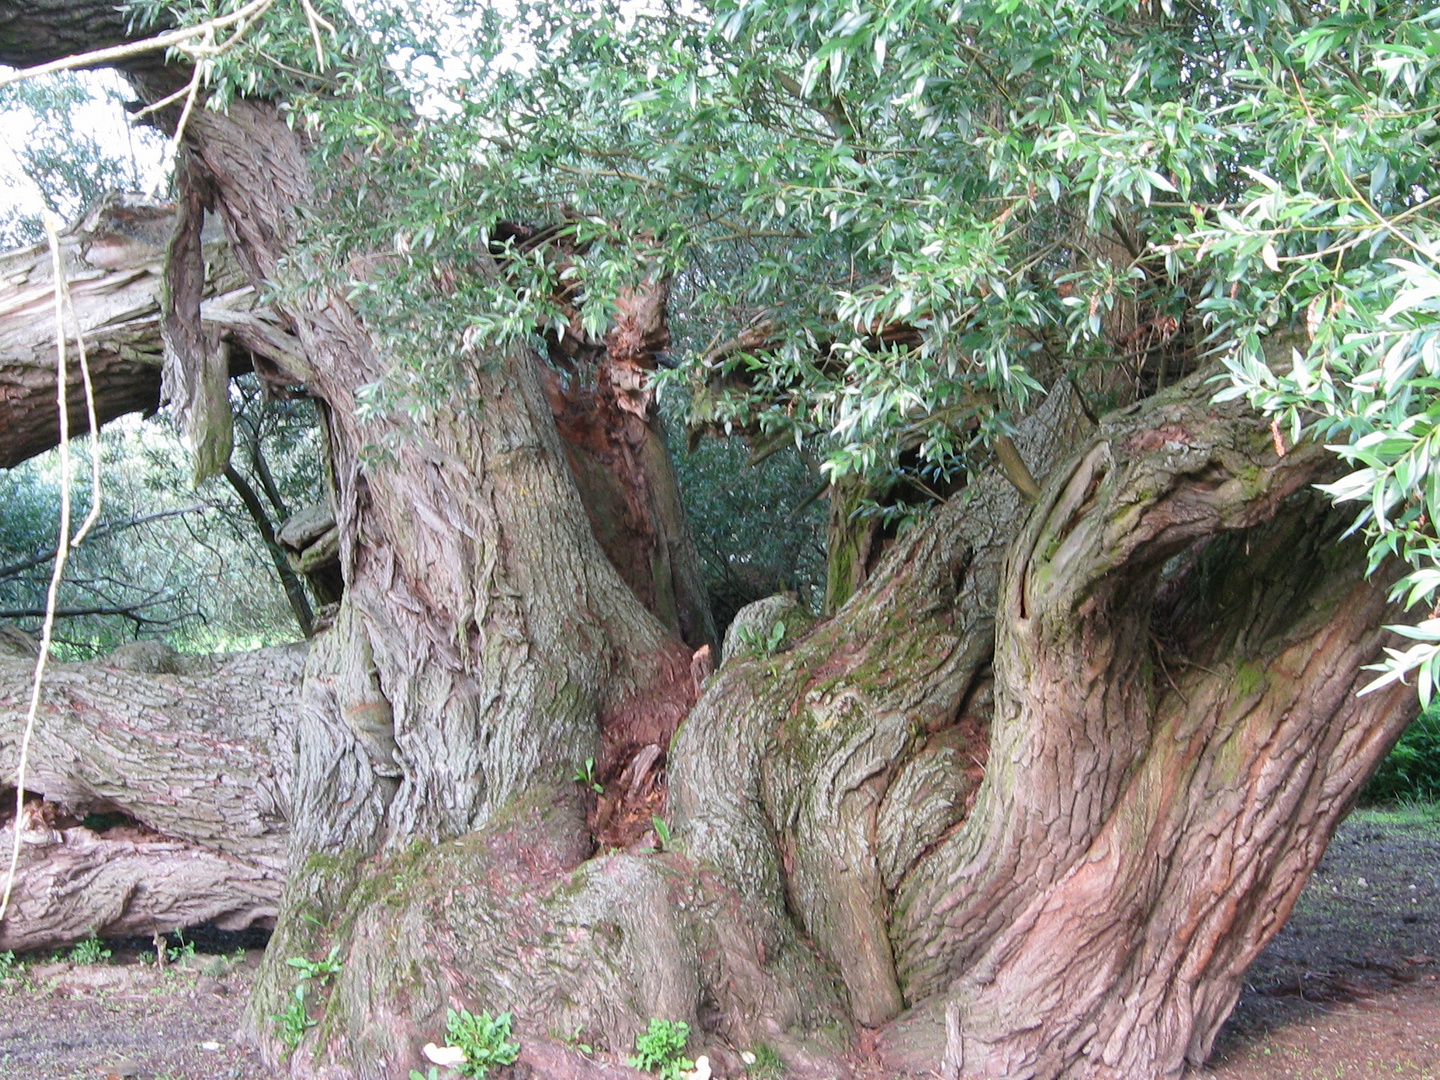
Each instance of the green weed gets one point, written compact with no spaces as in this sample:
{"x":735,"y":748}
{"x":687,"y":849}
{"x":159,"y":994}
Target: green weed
{"x":89,"y":951}
{"x":585,"y":774}
{"x":767,"y":1064}
{"x":661,"y":1049}
{"x":762,"y":644}
{"x":319,"y":970}
{"x":485,"y":1040}
{"x":294,"y":1020}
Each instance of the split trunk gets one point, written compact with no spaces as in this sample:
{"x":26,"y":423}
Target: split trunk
{"x":1028,"y":804}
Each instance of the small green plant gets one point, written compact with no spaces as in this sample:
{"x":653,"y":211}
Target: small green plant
{"x":762,"y":644}
{"x":573,"y":1041}
{"x":416,"y":1074}
{"x":767,"y":1064}
{"x":585,"y":774}
{"x":89,"y":951}
{"x":484,"y":1038}
{"x":661,"y":1049}
{"x":10,"y":968}
{"x":319,"y":970}
{"x":184,"y":951}
{"x":662,"y":831}
{"x":294,"y":1020}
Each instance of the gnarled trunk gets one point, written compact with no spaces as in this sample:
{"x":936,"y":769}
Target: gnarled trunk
{"x":1029,"y":802}
{"x":186,"y":762}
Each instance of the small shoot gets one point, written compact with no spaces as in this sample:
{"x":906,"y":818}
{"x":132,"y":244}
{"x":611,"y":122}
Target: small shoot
{"x":185,"y":950}
{"x":485,"y":1040}
{"x":585,"y":774}
{"x":661,"y":1049}
{"x":762,"y":643}
{"x":89,"y":951}
{"x":319,"y":970}
{"x":662,"y":831}
{"x":294,"y":1020}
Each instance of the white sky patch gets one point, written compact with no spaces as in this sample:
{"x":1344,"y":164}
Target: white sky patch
{"x":101,"y":117}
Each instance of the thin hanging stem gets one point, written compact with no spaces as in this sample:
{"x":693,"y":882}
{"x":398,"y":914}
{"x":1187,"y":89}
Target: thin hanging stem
{"x":62,"y":554}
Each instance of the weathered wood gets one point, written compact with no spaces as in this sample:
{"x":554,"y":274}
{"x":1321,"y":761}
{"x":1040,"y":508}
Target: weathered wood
{"x":196,"y":750}
{"x":73,"y":882}
{"x":112,"y":259}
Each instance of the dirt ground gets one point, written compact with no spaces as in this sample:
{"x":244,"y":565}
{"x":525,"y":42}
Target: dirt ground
{"x":1349,"y":989}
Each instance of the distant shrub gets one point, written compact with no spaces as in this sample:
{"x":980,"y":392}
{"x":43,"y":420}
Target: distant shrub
{"x":1412,"y":771}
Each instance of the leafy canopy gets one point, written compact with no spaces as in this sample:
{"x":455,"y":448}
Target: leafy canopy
{"x":897,"y":222}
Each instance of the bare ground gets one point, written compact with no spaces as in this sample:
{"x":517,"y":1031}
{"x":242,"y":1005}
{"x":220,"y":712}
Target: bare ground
{"x":1350,"y":990}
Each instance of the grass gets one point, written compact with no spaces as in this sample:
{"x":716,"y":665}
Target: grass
{"x":1403,"y":814}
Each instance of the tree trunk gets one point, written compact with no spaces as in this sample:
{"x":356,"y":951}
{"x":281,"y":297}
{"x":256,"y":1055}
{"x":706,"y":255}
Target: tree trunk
{"x":113,"y":260}
{"x":1028,"y":803}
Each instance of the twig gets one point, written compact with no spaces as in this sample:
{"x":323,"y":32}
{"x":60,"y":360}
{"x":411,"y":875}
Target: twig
{"x":169,"y":39}
{"x":172,"y":148}
{"x":90,"y":413}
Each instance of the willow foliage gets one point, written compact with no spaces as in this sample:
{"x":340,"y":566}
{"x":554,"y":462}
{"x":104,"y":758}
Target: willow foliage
{"x":898,"y":221}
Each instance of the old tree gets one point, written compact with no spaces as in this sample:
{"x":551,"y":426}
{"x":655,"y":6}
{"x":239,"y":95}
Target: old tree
{"x":1081,"y":711}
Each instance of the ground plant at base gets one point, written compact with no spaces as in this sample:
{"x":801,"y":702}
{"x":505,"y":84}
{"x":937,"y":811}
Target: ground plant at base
{"x":661,"y":1049}
{"x":767,"y":1065}
{"x":319,"y":970}
{"x":295,"y":1020}
{"x":485,"y":1040}
{"x":89,"y":951}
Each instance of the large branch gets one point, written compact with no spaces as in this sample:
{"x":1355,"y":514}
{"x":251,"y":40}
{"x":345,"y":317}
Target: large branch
{"x":38,"y":31}
{"x":113,"y":258}
{"x":195,"y":752}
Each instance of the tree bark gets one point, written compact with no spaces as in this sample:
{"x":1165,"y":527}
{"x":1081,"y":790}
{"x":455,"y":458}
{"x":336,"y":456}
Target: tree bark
{"x":113,"y":259}
{"x":194,"y":753}
{"x":1028,"y":803}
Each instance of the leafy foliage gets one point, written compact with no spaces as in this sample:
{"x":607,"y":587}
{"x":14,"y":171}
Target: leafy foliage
{"x":762,"y":643}
{"x":661,"y":1049}
{"x":318,"y":970}
{"x":484,"y":1038}
{"x":892,"y":225}
{"x":294,"y":1020}
{"x":1412,"y":771}
{"x":760,"y":529}
{"x":162,"y":561}
{"x":89,"y":951}
{"x":51,"y":125}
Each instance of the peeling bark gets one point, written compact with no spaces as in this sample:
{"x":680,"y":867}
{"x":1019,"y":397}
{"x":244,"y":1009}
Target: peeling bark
{"x":1028,"y":803}
{"x":113,"y":260}
{"x":73,"y":882}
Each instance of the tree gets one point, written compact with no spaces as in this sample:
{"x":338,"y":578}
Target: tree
{"x":1037,"y":793}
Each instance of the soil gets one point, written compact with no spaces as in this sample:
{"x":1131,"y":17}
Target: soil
{"x":1349,"y":989}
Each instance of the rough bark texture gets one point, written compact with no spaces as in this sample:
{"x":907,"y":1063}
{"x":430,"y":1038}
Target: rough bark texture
{"x":485,"y":646}
{"x":38,"y":31}
{"x":605,"y":410}
{"x":195,"y":754}
{"x":1030,"y":801}
{"x":113,"y":259}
